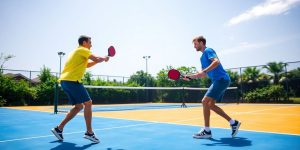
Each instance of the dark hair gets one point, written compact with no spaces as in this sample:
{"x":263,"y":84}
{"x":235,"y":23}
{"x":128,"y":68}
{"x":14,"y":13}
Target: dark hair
{"x":83,"y":38}
{"x":200,"y":39}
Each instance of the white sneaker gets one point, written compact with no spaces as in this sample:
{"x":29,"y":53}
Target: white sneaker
{"x":91,"y":137}
{"x":202,"y":134}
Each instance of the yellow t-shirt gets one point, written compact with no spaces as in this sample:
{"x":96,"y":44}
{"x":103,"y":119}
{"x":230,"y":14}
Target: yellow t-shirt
{"x":76,"y":64}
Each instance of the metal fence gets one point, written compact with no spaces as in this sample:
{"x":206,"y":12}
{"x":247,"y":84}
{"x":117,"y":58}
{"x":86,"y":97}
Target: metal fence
{"x":253,"y":77}
{"x":245,"y":78}
{"x":122,"y":79}
{"x":32,"y":76}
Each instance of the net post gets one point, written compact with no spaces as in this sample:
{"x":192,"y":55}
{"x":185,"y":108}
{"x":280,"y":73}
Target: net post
{"x":55,"y":97}
{"x":183,"y":105}
{"x":237,"y":96}
{"x":241,"y":86}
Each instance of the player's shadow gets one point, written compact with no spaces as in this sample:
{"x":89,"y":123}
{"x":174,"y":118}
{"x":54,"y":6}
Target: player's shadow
{"x":233,"y":142}
{"x":71,"y":146}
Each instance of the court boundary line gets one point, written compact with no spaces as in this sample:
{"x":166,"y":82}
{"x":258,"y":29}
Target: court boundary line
{"x":250,"y":112}
{"x":69,"y":133}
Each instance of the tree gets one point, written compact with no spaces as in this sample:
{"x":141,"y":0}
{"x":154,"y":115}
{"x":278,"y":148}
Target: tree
{"x":3,"y":59}
{"x":15,"y":92}
{"x":251,"y":74}
{"x":141,"y":78}
{"x":234,"y":76}
{"x":45,"y":75}
{"x":275,"y":68}
{"x":87,"y":78}
{"x":295,"y":73}
{"x":192,"y":83}
{"x":164,"y":81}
{"x":45,"y":90}
{"x":294,"y":82}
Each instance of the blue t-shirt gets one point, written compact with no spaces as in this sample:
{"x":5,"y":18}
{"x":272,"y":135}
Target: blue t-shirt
{"x":218,"y":72}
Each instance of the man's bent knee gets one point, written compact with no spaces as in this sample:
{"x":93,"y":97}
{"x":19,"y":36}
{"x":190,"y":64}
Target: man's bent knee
{"x":88,"y":103}
{"x":79,"y":106}
{"x":208,"y":101}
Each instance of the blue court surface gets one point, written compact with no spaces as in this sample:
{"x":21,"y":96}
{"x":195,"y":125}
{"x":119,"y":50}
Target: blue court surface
{"x":30,"y":130}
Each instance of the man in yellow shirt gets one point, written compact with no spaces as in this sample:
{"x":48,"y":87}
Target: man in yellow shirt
{"x":70,"y":81}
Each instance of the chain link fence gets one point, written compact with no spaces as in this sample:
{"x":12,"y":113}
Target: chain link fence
{"x":285,"y":76}
{"x":32,"y":76}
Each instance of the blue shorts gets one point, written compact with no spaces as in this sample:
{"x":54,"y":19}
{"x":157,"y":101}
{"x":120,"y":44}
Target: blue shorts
{"x":217,"y":89}
{"x":75,"y":91}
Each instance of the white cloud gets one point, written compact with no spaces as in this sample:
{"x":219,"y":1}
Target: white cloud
{"x":257,"y":46}
{"x":242,"y":47}
{"x":269,"y":7}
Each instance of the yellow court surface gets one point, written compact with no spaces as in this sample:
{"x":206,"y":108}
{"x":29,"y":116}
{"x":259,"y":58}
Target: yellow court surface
{"x":278,"y":118}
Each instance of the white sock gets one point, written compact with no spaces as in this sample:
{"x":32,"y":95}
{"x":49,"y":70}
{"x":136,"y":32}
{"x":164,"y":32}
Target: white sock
{"x":232,"y":121}
{"x":207,"y":129}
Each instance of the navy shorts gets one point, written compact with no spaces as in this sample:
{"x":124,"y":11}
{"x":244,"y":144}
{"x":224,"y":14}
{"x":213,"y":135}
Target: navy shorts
{"x":217,"y":89}
{"x":75,"y":91}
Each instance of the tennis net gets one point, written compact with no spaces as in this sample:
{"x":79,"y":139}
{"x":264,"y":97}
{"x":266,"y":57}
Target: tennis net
{"x":142,"y":97}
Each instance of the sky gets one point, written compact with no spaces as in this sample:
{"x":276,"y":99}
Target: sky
{"x":242,"y":32}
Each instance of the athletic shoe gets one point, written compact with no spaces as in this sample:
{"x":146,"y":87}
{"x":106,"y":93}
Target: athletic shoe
{"x":235,"y":128}
{"x":202,"y":134}
{"x":57,"y":133}
{"x":91,"y":137}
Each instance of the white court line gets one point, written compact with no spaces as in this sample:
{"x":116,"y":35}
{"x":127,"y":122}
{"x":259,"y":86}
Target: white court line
{"x":285,"y":114}
{"x":28,"y":138}
{"x":250,"y":112}
{"x":24,"y":109}
{"x":178,"y":123}
{"x":44,"y":136}
{"x":215,"y":116}
{"x":261,"y":110}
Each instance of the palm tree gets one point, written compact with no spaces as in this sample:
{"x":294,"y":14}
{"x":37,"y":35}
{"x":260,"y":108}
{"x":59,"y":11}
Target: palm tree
{"x":251,"y":74}
{"x":295,"y":73}
{"x":4,"y":58}
{"x":275,"y":68}
{"x":234,"y":76}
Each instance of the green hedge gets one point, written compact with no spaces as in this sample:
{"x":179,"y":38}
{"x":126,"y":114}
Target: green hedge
{"x":273,"y":93}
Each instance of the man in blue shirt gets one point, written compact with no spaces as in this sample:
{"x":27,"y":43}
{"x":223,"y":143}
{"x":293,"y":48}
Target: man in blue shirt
{"x":212,"y":68}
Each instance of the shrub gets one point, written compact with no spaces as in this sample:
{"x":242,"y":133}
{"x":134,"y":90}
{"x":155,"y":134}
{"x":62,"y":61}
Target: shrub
{"x":45,"y":93}
{"x":2,"y":101}
{"x":15,"y":92}
{"x":273,"y":93}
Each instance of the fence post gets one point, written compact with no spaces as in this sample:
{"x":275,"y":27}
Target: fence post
{"x":55,"y":97}
{"x":241,"y":78}
{"x":286,"y":83}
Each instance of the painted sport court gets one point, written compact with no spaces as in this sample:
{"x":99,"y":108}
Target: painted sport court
{"x":154,"y":127}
